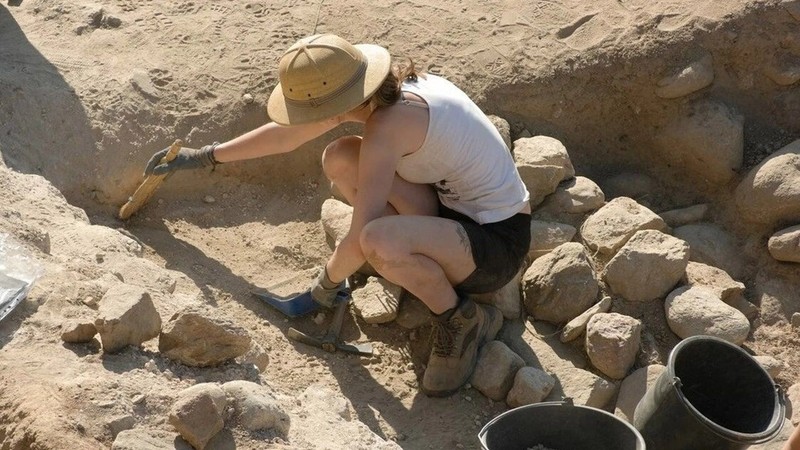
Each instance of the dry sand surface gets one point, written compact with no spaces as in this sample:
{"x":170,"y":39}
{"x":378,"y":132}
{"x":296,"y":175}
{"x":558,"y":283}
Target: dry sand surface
{"x":90,"y":89}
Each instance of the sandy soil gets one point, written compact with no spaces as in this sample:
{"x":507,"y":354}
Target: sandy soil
{"x":91,"y":89}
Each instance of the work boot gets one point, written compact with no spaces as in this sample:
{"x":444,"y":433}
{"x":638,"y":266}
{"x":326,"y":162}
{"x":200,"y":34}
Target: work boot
{"x":456,"y":341}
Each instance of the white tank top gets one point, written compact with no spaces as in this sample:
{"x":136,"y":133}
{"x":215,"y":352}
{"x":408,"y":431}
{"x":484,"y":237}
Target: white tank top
{"x":463,"y":156}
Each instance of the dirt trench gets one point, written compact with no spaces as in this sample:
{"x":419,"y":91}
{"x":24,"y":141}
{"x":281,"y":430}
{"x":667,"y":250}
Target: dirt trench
{"x":254,"y":224}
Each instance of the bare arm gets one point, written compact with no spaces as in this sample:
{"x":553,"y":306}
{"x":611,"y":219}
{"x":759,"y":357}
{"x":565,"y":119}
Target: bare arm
{"x":381,"y":149}
{"x":271,"y":139}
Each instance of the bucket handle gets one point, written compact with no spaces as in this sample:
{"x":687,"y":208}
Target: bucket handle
{"x":677,"y":384}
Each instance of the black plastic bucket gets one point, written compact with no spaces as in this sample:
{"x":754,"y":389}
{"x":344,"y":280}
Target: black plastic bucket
{"x":712,"y":396}
{"x":559,"y":426}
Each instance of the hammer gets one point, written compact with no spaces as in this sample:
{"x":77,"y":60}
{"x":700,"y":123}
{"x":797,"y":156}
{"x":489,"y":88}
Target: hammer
{"x":330,"y":341}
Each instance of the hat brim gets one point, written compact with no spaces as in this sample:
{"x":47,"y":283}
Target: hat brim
{"x":378,"y":65}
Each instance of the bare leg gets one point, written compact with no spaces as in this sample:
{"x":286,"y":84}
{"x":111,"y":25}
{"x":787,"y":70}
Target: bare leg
{"x":424,"y":254}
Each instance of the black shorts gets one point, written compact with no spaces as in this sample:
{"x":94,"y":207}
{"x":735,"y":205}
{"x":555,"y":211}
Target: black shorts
{"x":498,"y":250}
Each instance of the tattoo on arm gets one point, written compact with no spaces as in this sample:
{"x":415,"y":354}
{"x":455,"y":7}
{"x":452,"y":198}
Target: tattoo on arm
{"x":463,"y":238}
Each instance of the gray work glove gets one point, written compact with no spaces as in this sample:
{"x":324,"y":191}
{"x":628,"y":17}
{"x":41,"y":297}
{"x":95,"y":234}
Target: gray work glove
{"x":187,"y":158}
{"x":324,"y":291}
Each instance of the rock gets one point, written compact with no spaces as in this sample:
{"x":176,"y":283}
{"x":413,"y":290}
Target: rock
{"x":256,"y":356}
{"x":77,"y":332}
{"x":198,"y":413}
{"x":577,"y":326}
{"x":709,"y":244}
{"x":377,"y":301}
{"x":503,"y":128}
{"x":612,"y":225}
{"x":255,"y":407}
{"x":542,"y":163}
{"x":584,"y":387}
{"x":141,"y":81}
{"x":209,"y":199}
{"x":545,"y":236}
{"x":560,"y":285}
{"x":633,"y":388}
{"x":126,"y":316}
{"x":612,"y":343}
{"x":495,"y":370}
{"x":195,"y":340}
{"x":682,"y":216}
{"x":507,"y":299}
{"x":695,"y":76}
{"x":772,"y":365}
{"x":413,"y":313}
{"x":247,"y":98}
{"x":770,"y":193}
{"x":699,"y":274}
{"x":148,"y":439}
{"x":577,"y":195}
{"x":335,"y":217}
{"x":648,"y":266}
{"x":707,"y":143}
{"x":697,"y":310}
{"x":119,"y":424}
{"x":785,"y":244}
{"x":531,"y":385}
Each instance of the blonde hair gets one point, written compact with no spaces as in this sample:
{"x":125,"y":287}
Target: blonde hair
{"x":389,"y":92}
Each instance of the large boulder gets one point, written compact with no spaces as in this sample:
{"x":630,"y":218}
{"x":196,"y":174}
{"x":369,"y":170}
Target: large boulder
{"x":560,"y":285}
{"x":377,"y":301}
{"x":255,"y":407}
{"x":697,"y":310}
{"x":770,"y":192}
{"x":785,"y":244}
{"x":198,"y":413}
{"x":542,"y":163}
{"x":648,"y":266}
{"x":610,"y":227}
{"x":126,"y":316}
{"x":192,"y":338}
{"x":583,"y":387}
{"x":612,"y":343}
{"x":571,"y":200}
{"x":507,"y":299}
{"x":495,"y":370}
{"x":633,"y":388}
{"x":545,"y":236}
{"x":531,"y":385}
{"x":699,"y":274}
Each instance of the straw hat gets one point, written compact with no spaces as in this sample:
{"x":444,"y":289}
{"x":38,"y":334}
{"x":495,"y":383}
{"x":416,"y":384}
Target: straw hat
{"x":322,"y":76}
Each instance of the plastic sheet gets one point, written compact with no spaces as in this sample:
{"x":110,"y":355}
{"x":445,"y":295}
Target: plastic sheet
{"x":18,"y":271}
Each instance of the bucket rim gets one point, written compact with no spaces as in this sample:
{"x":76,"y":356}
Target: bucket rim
{"x":564,"y":403}
{"x":719,"y":430}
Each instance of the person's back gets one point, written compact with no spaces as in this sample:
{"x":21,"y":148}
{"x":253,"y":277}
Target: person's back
{"x":463,"y":155}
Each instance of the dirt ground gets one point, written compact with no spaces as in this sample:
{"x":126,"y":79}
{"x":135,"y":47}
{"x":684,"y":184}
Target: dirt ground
{"x":90,"y":89}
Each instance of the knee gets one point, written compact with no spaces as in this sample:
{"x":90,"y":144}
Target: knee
{"x":379,"y":242}
{"x":341,"y":156}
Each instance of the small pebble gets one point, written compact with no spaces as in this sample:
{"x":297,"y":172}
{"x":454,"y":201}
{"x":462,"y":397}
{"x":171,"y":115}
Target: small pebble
{"x":319,"y":318}
{"x":161,"y":201}
{"x":247,"y":98}
{"x":139,"y":399}
{"x":209,"y":199}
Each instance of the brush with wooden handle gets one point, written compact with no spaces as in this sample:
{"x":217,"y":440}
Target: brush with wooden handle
{"x":148,"y":187}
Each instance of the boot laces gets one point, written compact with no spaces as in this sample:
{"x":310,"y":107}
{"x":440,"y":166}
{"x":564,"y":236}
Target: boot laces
{"x":444,"y":335}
